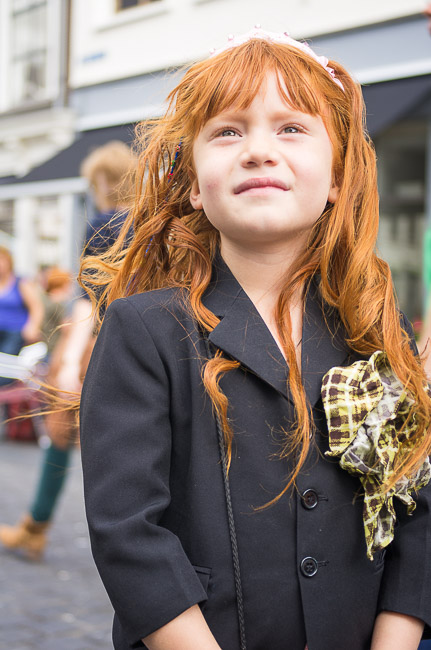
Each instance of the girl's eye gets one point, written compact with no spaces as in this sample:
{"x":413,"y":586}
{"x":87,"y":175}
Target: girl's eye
{"x":291,"y":128}
{"x":226,"y":132}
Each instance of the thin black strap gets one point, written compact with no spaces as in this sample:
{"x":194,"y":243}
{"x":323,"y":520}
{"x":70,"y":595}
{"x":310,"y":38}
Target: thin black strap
{"x":231,"y":522}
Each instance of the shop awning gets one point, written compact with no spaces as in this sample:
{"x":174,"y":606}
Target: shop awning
{"x":391,"y":101}
{"x":67,"y":162}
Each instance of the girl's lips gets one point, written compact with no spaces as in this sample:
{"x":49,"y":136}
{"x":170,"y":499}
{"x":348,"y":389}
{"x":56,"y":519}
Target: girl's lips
{"x":253,"y":183}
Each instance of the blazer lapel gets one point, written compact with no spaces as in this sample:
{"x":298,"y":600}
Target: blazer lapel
{"x":323,"y":343}
{"x":243,"y":335}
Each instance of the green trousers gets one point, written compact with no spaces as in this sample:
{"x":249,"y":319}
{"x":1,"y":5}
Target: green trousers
{"x":53,"y":474}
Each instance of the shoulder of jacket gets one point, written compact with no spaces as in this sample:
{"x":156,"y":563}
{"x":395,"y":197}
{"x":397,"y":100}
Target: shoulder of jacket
{"x":154,"y":304}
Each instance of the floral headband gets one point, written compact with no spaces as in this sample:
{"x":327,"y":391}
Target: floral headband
{"x":273,"y":37}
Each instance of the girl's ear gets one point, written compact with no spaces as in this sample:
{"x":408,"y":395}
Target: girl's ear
{"x":333,"y":193}
{"x":195,"y":195}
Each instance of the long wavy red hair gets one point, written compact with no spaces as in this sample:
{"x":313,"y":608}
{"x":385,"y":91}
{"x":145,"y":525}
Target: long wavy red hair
{"x":174,"y":245}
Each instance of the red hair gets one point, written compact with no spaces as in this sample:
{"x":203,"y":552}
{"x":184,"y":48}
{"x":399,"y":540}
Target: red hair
{"x":174,"y":245}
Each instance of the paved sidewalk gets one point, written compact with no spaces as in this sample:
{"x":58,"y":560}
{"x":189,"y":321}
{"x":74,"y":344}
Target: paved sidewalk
{"x":59,"y":602}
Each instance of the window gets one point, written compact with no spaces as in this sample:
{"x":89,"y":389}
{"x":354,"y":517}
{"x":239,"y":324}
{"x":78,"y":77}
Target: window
{"x":6,"y":221}
{"x":33,"y":36}
{"x":48,"y":226}
{"x":401,"y":156}
{"x":28,"y":58}
{"x":126,"y":4}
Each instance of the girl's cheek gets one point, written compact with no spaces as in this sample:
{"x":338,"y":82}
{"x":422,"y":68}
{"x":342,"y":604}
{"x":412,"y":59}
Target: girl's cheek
{"x":212,"y":185}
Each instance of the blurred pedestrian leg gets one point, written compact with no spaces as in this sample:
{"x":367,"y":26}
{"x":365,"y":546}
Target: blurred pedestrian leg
{"x":29,"y":535}
{"x":55,"y":463}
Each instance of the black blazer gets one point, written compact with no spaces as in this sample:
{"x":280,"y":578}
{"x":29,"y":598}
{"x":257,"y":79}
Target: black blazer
{"x":156,"y":502}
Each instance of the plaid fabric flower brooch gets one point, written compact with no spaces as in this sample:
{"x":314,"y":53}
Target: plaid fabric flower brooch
{"x":367,"y":409}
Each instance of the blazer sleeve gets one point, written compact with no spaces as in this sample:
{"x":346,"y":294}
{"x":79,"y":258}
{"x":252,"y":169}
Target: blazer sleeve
{"x":406,"y":586}
{"x":126,"y":446}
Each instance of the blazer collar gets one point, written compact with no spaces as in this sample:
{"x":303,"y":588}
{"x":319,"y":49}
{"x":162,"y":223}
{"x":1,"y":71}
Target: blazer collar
{"x":323,"y":342}
{"x":243,"y":335}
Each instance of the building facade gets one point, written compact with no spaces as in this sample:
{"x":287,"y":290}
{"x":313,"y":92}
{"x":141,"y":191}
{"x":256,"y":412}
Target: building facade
{"x":77,"y":73}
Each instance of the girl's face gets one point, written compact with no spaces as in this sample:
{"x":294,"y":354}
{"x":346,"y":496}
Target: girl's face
{"x":264,"y":173}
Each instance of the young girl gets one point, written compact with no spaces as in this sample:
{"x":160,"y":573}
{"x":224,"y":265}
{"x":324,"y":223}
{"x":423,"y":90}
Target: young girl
{"x":254,"y":418}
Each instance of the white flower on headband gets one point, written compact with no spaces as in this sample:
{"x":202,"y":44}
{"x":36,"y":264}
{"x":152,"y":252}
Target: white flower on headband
{"x":274,"y":37}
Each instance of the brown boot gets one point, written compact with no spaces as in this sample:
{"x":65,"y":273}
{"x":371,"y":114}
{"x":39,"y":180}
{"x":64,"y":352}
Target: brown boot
{"x":28,"y":536}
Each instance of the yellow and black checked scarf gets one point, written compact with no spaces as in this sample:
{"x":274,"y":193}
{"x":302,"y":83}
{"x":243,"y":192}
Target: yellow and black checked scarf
{"x":367,"y":410}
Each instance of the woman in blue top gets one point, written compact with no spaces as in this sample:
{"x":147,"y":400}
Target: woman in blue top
{"x":21,"y":309}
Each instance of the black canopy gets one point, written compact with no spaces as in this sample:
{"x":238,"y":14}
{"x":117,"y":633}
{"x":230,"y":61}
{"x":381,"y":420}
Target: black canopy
{"x":391,"y":101}
{"x":67,"y":162}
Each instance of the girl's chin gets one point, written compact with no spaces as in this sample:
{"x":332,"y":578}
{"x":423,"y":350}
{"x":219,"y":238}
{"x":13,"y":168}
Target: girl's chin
{"x":267,"y":232}
{"x":266,"y":240}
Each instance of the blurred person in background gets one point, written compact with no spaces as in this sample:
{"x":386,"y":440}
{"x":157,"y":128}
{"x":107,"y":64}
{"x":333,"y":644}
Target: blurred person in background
{"x":56,"y":299}
{"x":21,"y":309}
{"x":109,"y":170}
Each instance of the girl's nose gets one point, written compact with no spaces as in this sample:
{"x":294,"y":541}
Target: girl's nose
{"x":259,"y":150}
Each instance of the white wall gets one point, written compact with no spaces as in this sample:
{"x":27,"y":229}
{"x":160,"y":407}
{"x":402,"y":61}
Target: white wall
{"x":107,"y":45}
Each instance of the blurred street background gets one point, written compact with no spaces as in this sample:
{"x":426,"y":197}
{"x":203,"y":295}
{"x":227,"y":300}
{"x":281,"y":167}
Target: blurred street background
{"x":77,"y":74}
